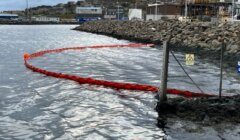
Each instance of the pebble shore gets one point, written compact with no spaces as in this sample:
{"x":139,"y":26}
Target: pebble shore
{"x":202,"y":38}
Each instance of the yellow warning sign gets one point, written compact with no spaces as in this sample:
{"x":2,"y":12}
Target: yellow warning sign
{"x":189,"y":59}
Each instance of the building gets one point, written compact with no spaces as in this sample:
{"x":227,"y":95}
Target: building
{"x":199,"y":9}
{"x":84,"y":14}
{"x":110,"y":17}
{"x":68,"y":20}
{"x":163,"y":10}
{"x":193,"y":9}
{"x":89,"y":10}
{"x":8,"y":16}
{"x":46,"y":19}
{"x":135,"y":14}
{"x":114,"y":13}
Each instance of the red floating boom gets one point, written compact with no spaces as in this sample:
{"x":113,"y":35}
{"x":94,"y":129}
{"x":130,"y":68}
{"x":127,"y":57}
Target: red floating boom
{"x":110,"y":84}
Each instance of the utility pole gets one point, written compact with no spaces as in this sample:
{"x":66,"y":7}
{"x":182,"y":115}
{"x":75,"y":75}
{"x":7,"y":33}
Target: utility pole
{"x":156,"y":10}
{"x":27,"y":9}
{"x":232,"y":10}
{"x":117,"y":10}
{"x":164,"y":75}
{"x":135,"y":4}
{"x":221,"y":68}
{"x":186,"y":10}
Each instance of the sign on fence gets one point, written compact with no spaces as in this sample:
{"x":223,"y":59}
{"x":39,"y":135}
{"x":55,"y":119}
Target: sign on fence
{"x":189,"y":59}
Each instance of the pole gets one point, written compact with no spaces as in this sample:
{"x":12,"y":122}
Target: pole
{"x":164,"y":74}
{"x":155,"y":11}
{"x":232,"y":10}
{"x":221,"y":67}
{"x":186,"y":10}
{"x":118,"y":10}
{"x":27,"y":9}
{"x":135,"y":4}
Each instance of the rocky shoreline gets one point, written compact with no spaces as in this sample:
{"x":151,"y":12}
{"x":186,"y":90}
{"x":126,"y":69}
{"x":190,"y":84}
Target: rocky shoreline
{"x":205,"y":111}
{"x":203,"y":39}
{"x":12,"y":22}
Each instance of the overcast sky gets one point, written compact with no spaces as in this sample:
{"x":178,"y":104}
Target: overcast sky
{"x":21,"y":4}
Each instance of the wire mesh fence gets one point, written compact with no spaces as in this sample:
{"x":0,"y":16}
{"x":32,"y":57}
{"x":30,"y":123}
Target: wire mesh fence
{"x":202,"y":74}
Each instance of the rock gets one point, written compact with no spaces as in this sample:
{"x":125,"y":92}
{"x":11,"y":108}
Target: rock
{"x":216,"y":43}
{"x":221,"y":25}
{"x":204,"y":45}
{"x":211,"y":35}
{"x":233,"y":34}
{"x":233,"y":48}
{"x":153,"y":29}
{"x":196,"y":28}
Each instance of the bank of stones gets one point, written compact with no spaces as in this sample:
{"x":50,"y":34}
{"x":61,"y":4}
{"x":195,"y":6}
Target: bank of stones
{"x":203,"y":38}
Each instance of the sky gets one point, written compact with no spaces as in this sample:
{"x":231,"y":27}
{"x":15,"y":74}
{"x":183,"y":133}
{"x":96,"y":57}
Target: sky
{"x":21,"y":4}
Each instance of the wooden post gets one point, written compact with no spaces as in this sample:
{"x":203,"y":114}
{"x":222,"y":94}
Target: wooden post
{"x":164,"y":74}
{"x":221,"y":71}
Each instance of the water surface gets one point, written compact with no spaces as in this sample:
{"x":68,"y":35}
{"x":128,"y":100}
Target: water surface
{"x":33,"y":106}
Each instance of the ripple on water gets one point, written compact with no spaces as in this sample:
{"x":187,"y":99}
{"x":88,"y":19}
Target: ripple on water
{"x":34,"y":106}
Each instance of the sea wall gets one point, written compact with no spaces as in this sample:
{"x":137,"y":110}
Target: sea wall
{"x":201,"y":38}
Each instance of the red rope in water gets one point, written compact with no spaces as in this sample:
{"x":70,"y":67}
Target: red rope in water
{"x":110,"y":84}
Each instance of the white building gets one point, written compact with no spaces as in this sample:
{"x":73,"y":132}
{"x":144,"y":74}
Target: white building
{"x":8,"y":16}
{"x":88,"y":10}
{"x":46,"y":19}
{"x":135,"y":14}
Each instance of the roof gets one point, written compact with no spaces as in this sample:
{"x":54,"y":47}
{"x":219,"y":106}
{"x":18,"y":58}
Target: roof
{"x":89,"y":8}
{"x":44,"y":17}
{"x":162,"y":4}
{"x":8,"y":15}
{"x":155,"y":4}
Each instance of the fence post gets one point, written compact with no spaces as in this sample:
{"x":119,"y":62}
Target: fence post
{"x":221,"y":67}
{"x":164,"y":74}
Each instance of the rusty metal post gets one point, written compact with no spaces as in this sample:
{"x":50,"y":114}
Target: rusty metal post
{"x":164,"y":75}
{"x":221,"y":69}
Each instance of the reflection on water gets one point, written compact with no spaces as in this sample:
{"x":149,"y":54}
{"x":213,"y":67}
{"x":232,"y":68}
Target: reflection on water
{"x":33,"y":106}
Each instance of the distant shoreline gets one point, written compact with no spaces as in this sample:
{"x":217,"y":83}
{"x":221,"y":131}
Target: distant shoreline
{"x":34,"y":23}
